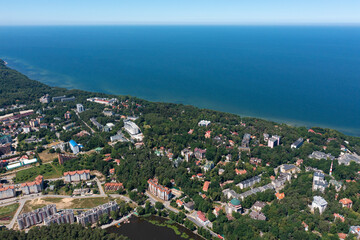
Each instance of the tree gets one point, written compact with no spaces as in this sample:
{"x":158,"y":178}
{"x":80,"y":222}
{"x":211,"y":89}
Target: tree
{"x":159,"y":205}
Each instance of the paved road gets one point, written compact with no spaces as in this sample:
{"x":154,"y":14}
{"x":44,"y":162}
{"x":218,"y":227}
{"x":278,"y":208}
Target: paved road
{"x":11,"y":225}
{"x":102,"y":192}
{"x":92,"y":130}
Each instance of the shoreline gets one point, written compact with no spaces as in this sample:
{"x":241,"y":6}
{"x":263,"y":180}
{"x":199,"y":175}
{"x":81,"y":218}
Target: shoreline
{"x":290,"y":122}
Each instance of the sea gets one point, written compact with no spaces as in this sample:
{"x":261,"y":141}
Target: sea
{"x":300,"y":75}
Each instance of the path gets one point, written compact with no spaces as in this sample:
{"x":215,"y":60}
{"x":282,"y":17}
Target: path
{"x":11,"y":224}
{"x":92,"y":130}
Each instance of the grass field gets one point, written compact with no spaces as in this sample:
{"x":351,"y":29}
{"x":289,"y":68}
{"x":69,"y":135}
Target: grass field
{"x":7,"y":212}
{"x":47,"y":170}
{"x":45,"y":156}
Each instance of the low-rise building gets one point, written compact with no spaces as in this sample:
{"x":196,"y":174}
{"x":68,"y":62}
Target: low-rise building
{"x":75,"y":148}
{"x":347,"y":158}
{"x":258,"y":206}
{"x":111,"y":186}
{"x":233,"y":206}
{"x":297,"y":143}
{"x":206,"y":186}
{"x":76,"y":176}
{"x":189,"y":206}
{"x":319,"y":203}
{"x":321,"y":155}
{"x":257,"y":216}
{"x":249,"y":182}
{"x":319,"y":182}
{"x":199,"y":153}
{"x":204,"y":123}
{"x":202,"y":218}
{"x":355,"y":230}
{"x":345,"y":202}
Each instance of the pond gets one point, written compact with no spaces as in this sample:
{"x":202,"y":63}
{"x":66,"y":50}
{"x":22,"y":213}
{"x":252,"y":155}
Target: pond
{"x":142,"y":228}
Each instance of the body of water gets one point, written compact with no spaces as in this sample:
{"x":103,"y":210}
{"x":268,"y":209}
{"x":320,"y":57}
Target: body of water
{"x":299,"y":75}
{"x":139,"y":229}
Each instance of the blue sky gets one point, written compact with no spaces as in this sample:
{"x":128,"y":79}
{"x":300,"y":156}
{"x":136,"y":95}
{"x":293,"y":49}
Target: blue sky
{"x":109,"y":12}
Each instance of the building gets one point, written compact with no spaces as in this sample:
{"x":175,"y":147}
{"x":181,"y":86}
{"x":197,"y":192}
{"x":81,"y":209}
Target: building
{"x":208,"y":166}
{"x":131,"y":128}
{"x":75,"y":148}
{"x":355,"y":230}
{"x":200,"y":216}
{"x":345,"y":202}
{"x":69,"y":99}
{"x":297,"y":143}
{"x":77,"y":176}
{"x":37,"y":216}
{"x":245,"y":143}
{"x":319,"y":182}
{"x":336,"y":184}
{"x":68,"y":126}
{"x":7,"y":192}
{"x":34,"y":186}
{"x":65,"y":157}
{"x":274,"y":141}
{"x":67,"y":115}
{"x":249,"y":182}
{"x":108,"y":113}
{"x":80,"y":108}
{"x":204,"y":123}
{"x":65,"y":216}
{"x":189,"y":206}
{"x":4,"y":139}
{"x":104,"y":101}
{"x":206,"y":186}
{"x":319,"y":203}
{"x":26,"y":129}
{"x":233,"y":206}
{"x":158,"y":190}
{"x":280,"y":196}
{"x":58,"y":99}
{"x":111,"y":186}
{"x":347,"y":158}
{"x":257,"y":216}
{"x":186,"y":153}
{"x":321,"y":155}
{"x":94,"y":214}
{"x":96,"y":123}
{"x":338,"y":216}
{"x":199,"y":153}
{"x":280,"y":182}
{"x":258,"y":206}
{"x":45,"y":99}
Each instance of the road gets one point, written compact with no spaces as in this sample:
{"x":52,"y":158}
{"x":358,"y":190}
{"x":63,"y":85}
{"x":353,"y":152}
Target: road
{"x":77,"y":114}
{"x":117,"y":221}
{"x":102,"y":192}
{"x":153,"y":200}
{"x":11,"y":225}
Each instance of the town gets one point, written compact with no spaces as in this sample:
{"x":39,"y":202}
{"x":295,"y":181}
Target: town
{"x":81,"y":158}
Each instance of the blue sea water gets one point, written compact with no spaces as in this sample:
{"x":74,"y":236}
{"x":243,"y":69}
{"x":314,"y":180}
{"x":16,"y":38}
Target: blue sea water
{"x":299,"y":75}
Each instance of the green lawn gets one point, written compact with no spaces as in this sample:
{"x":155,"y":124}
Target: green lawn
{"x":47,"y":170}
{"x":8,"y":211}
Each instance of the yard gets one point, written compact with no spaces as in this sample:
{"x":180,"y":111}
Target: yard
{"x":51,"y":170}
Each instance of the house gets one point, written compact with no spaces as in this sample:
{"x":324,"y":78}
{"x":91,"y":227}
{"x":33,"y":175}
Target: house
{"x":158,"y":190}
{"x":108,"y":113}
{"x":355,"y":230}
{"x":75,"y":148}
{"x":258,"y":206}
{"x":77,"y":176}
{"x":306,"y":227}
{"x":204,"y":123}
{"x":255,"y":161}
{"x":33,"y":187}
{"x":297,"y":143}
{"x":111,"y":186}
{"x":336,"y":184}
{"x":240,"y":172}
{"x":186,"y":153}
{"x":319,"y":182}
{"x":345,"y":202}
{"x":342,"y":236}
{"x":217,"y":210}
{"x":206,"y":186}
{"x":202,"y":218}
{"x":287,"y":168}
{"x":233,"y":206}
{"x":208,"y":134}
{"x":189,"y":206}
{"x":299,"y":162}
{"x":179,"y":202}
{"x":208,"y":166}
{"x":319,"y":203}
{"x":338,"y":216}
{"x":347,"y":158}
{"x":246,"y":140}
{"x":199,"y":153}
{"x":112,"y":171}
{"x":257,"y":216}
{"x":280,"y":196}
{"x":26,"y":129}
{"x":67,"y":115}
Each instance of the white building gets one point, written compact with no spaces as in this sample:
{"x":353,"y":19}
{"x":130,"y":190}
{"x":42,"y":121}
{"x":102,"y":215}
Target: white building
{"x":319,"y":203}
{"x":77,"y":176}
{"x":131,"y":128}
{"x":274,"y":141}
{"x":297,"y":143}
{"x":79,"y":108}
{"x":204,"y":123}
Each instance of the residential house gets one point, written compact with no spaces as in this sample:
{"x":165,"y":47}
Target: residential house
{"x":204,"y":123}
{"x":202,"y":218}
{"x":111,"y":186}
{"x":319,"y":203}
{"x":257,"y":216}
{"x":199,"y":153}
{"x":345,"y":202}
{"x":206,"y":186}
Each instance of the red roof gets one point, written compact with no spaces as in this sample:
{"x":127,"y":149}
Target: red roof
{"x":6,"y":188}
{"x":345,"y":201}
{"x":201,"y":216}
{"x":112,"y":184}
{"x":206,"y":186}
{"x":280,"y":195}
{"x":76,"y":172}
